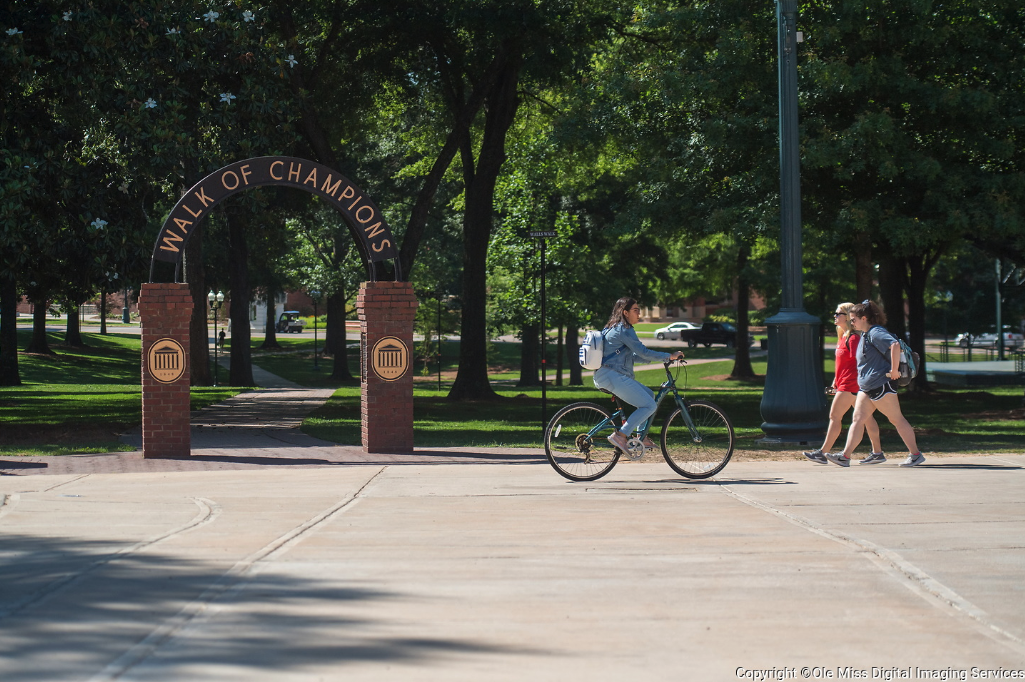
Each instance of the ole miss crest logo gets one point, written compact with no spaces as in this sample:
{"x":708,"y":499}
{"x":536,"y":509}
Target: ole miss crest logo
{"x":389,"y":358}
{"x":166,"y":361}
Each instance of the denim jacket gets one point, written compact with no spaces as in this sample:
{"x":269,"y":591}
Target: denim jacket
{"x":623,"y":339}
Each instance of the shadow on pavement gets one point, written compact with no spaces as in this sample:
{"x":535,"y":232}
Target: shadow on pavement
{"x":5,"y":464}
{"x":975,"y":467}
{"x":64,"y":602}
{"x":252,"y":459}
{"x":748,"y":481}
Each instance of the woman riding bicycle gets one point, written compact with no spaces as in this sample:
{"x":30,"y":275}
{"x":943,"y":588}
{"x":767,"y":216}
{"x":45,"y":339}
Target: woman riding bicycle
{"x":616,"y":373}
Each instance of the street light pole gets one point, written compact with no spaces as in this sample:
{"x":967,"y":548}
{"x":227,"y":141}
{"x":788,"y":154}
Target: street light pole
{"x":544,"y":236}
{"x":793,"y":403}
{"x":215,"y":301}
{"x":1000,"y":321}
{"x":439,"y":341}
{"x":315,"y":295}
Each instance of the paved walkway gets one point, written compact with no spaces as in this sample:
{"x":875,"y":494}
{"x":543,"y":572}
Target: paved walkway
{"x":304,"y":561}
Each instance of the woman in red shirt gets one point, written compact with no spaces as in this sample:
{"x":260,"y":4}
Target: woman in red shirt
{"x":845,"y":385}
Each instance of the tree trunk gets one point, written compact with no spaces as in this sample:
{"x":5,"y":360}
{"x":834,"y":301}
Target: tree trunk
{"x":472,"y":378}
{"x":742,"y":359}
{"x":270,"y":331}
{"x":103,"y":312}
{"x":199,"y":324}
{"x":9,"y":374}
{"x":576,"y":372}
{"x":891,"y":291}
{"x":241,"y":372}
{"x":38,"y":343}
{"x":335,"y":342}
{"x":73,"y":333}
{"x":529,"y":350}
{"x":919,"y":269}
{"x":863,"y":270}
{"x":465,"y":114}
{"x":318,"y":139}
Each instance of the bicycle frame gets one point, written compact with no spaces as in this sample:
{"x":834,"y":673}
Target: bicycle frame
{"x":668,"y":386}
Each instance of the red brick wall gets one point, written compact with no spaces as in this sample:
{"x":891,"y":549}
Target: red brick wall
{"x":386,"y":309}
{"x":165,"y":309}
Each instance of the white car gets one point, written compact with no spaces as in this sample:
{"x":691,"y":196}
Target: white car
{"x":672,"y":332}
{"x":1011,"y":340}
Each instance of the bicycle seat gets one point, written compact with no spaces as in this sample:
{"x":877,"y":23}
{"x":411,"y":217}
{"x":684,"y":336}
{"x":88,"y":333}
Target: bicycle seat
{"x":603,"y":390}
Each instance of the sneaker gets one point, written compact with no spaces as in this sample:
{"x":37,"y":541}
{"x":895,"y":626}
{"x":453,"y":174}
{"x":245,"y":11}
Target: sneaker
{"x":913,"y":460}
{"x":619,"y":440}
{"x":874,"y":458}
{"x":816,"y":456}
{"x":839,"y":460}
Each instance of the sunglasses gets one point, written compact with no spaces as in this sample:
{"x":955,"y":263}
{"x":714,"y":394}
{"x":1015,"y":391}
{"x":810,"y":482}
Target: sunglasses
{"x":835,"y":315}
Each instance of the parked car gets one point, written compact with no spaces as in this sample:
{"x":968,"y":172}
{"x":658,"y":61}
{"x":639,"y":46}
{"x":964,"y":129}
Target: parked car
{"x":672,"y":332}
{"x":1011,"y":340}
{"x":964,"y":340}
{"x":989,"y":340}
{"x":713,"y":332}
{"x":289,"y":322}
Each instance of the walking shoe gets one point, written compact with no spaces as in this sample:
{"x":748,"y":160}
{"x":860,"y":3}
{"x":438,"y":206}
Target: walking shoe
{"x":816,"y":456}
{"x":619,"y":440}
{"x":874,"y":458}
{"x":839,"y":460}
{"x":913,"y":460}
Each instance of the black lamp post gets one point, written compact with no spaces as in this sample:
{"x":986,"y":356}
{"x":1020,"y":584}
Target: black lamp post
{"x":315,"y":295}
{"x":793,"y":404}
{"x":215,"y":301}
{"x":439,"y":340}
{"x":947,"y":297}
{"x":125,"y":316}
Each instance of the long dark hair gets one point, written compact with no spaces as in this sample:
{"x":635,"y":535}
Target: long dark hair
{"x":869,"y":310}
{"x":617,"y":317}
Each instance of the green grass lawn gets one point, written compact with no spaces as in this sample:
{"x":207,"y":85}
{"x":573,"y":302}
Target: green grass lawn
{"x":947,"y":420}
{"x":80,"y":399}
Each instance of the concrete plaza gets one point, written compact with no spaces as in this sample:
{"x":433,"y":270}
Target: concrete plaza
{"x":498,"y":569}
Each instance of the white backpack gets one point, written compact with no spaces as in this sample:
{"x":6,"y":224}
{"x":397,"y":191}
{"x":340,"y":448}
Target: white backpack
{"x":591,"y":349}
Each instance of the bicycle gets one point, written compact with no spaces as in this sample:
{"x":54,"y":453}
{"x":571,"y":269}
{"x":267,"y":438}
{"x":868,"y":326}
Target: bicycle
{"x":697,"y":437}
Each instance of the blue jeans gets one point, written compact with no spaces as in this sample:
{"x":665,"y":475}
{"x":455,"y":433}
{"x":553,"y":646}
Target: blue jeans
{"x":630,"y":391}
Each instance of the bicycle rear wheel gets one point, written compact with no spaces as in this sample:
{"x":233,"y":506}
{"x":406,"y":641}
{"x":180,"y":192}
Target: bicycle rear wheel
{"x":701,"y":455}
{"x":576,"y":442}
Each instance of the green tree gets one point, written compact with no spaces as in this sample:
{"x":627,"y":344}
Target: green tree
{"x":912,"y":112}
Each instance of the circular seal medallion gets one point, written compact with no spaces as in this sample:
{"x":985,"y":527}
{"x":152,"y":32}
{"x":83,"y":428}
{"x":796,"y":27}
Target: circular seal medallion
{"x":389,"y":358}
{"x":166,"y":361}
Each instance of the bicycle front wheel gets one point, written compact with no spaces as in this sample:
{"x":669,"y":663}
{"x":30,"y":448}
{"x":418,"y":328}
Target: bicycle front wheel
{"x":576,"y":442}
{"x":706,"y":450}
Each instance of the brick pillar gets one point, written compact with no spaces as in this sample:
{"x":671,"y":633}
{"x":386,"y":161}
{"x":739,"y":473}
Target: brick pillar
{"x":165,"y":310}
{"x":386,"y":311}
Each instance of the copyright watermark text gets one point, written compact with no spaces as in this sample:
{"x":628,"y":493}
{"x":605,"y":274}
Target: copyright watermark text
{"x":847,"y":672}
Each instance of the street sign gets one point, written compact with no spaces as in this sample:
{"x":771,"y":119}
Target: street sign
{"x":544,"y":234}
